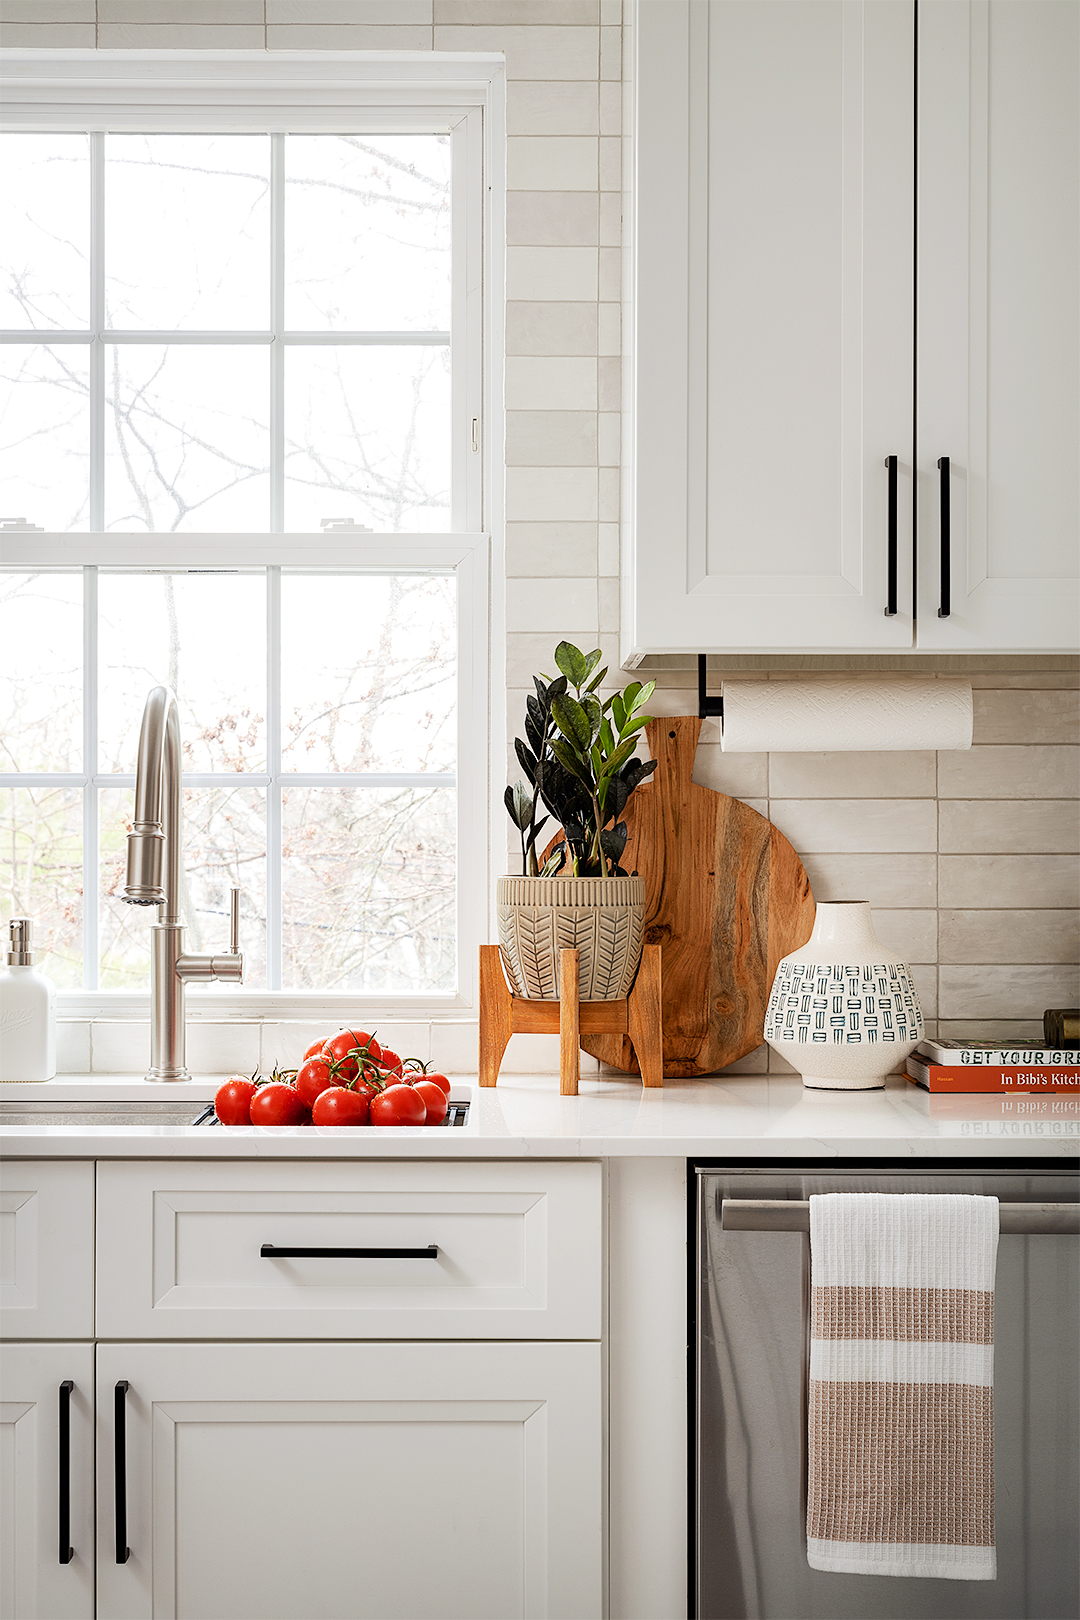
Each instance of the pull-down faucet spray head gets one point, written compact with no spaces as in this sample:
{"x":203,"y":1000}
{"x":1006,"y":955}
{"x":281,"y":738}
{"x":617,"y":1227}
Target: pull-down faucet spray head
{"x":145,"y":850}
{"x":153,"y":846}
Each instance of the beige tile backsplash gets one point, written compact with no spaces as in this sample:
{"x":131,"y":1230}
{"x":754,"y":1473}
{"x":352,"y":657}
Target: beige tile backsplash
{"x":988,"y":836}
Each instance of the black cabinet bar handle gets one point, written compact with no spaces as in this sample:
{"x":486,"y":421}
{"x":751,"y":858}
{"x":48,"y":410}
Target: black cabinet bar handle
{"x":269,"y":1251}
{"x":66,"y":1550}
{"x":890,"y":610}
{"x":945,"y":609}
{"x":123,"y":1551}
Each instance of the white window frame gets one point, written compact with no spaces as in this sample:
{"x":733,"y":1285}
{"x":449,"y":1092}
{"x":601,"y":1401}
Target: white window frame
{"x":308,"y":92}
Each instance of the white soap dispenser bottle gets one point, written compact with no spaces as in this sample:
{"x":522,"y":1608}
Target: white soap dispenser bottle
{"x":27,"y":1013}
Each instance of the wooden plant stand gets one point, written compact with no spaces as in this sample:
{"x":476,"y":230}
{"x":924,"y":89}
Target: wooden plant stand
{"x":503,"y":1014}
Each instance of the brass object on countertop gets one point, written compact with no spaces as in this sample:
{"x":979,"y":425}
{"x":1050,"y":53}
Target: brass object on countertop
{"x":1061,"y":1026}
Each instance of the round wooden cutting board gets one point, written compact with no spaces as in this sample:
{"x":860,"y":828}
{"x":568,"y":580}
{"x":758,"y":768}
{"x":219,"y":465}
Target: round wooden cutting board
{"x":727,"y":897}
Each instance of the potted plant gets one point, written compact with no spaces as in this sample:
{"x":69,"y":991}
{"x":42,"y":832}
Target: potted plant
{"x":580,"y":762}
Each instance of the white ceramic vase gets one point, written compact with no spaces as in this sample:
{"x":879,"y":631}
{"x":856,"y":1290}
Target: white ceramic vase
{"x":843,"y":1008}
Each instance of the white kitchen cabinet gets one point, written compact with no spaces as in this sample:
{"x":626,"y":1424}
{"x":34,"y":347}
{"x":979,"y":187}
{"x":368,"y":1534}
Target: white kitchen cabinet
{"x":423,"y":1480}
{"x":999,"y":323}
{"x":508,"y":1251}
{"x":770,"y":326}
{"x":38,"y":1484}
{"x":46,"y":1250}
{"x":384,"y":1481}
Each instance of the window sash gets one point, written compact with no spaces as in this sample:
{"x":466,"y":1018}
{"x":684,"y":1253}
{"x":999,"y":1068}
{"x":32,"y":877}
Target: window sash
{"x":467,"y":557}
{"x":465,"y":336}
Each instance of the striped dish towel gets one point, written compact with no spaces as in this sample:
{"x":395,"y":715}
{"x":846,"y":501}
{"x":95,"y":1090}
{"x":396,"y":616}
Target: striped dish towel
{"x":901,"y":1423}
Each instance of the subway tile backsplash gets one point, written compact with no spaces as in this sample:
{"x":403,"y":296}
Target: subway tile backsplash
{"x":968,"y":859}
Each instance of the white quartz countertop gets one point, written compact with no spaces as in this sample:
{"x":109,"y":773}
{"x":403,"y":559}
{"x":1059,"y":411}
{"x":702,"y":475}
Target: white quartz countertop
{"x":751,"y":1116}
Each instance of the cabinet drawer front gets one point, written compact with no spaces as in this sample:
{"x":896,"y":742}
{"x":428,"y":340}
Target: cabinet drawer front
{"x":46,"y":1250}
{"x":468,"y":1251}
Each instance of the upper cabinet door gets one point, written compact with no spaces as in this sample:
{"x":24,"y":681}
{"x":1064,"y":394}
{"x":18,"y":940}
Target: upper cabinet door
{"x":770,"y":346}
{"x":999,"y":295}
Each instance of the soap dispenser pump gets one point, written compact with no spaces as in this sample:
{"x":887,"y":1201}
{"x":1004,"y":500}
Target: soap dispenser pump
{"x":27,"y":1012}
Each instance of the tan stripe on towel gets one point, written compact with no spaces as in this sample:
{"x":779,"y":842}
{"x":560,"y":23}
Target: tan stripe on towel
{"x":938,"y":1315}
{"x":901,"y":1463}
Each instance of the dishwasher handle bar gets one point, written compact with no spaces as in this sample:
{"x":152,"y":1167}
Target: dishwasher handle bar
{"x":793,"y":1215}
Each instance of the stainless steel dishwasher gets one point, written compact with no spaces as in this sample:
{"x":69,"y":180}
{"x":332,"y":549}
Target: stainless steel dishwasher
{"x":749,"y":1394}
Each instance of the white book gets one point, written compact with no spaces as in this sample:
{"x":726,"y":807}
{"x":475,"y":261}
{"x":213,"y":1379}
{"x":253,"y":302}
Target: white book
{"x":994,"y":1054}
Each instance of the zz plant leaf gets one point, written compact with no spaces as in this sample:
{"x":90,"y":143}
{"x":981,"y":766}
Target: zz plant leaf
{"x":581,"y":761}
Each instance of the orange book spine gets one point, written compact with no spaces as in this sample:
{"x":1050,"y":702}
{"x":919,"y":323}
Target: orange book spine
{"x":1041,"y":1081}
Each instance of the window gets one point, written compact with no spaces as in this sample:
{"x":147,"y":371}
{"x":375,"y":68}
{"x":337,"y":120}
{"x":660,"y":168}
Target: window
{"x":242,"y":377}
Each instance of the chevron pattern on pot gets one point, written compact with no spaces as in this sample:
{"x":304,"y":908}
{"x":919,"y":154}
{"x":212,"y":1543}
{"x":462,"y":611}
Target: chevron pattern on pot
{"x":536,"y":924}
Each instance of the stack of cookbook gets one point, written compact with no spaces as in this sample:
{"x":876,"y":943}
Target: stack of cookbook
{"x":994,"y":1066}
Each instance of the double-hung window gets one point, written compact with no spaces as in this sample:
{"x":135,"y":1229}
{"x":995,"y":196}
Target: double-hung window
{"x":242,"y":426}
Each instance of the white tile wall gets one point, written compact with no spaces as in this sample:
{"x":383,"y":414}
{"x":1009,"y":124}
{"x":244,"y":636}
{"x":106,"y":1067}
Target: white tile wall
{"x":180,"y":35}
{"x":1036,"y":826}
{"x":989,"y":836}
{"x":178,"y":11}
{"x":32,"y":35}
{"x":552,"y":274}
{"x":552,"y":163}
{"x":550,"y":494}
{"x":49,"y":11}
{"x":550,"y":383}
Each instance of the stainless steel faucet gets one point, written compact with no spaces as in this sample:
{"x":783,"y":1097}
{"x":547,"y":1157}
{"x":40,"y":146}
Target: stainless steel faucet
{"x":155,"y":850}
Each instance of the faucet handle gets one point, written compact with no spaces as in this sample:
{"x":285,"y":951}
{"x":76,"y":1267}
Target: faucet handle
{"x":227,"y":967}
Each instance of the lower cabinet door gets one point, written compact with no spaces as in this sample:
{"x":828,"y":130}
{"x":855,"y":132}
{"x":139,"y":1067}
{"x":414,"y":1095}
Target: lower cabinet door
{"x":46,"y":1485}
{"x":338,"y":1481}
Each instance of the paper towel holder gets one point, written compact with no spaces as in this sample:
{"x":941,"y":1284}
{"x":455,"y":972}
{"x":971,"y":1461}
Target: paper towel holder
{"x":709,"y":708}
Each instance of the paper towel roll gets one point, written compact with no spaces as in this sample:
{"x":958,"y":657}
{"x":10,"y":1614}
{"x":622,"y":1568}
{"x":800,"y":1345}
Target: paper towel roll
{"x":799,"y":717}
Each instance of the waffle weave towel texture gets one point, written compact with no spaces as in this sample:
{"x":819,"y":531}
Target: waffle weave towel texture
{"x":901,"y":1419}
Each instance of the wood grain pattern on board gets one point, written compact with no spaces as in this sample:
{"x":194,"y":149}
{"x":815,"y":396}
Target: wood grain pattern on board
{"x":727,"y":897}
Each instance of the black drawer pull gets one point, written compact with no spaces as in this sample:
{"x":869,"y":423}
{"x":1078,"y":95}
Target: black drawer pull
{"x":890,"y":609}
{"x":945,"y":609}
{"x":66,"y":1550}
{"x":270,"y":1251}
{"x":123,"y":1551}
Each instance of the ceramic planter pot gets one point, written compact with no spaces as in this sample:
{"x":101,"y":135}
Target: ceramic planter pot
{"x":602,"y":918}
{"x":843,"y":1008}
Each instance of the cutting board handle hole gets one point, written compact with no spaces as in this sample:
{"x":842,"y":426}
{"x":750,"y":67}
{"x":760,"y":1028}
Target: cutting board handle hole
{"x":671,"y":734}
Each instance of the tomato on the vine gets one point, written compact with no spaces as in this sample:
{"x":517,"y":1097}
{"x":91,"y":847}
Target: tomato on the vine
{"x":434,"y":1101}
{"x":423,"y":1072}
{"x":314,"y":1076}
{"x":277,"y":1104}
{"x":232,"y":1100}
{"x":398,"y":1105}
{"x":340,"y":1106}
{"x":342,"y":1047}
{"x":391,"y":1062}
{"x":316,"y":1046}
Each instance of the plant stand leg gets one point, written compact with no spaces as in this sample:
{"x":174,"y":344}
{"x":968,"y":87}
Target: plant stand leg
{"x":496,"y":1014}
{"x":644,"y":1018}
{"x":569,"y":1024}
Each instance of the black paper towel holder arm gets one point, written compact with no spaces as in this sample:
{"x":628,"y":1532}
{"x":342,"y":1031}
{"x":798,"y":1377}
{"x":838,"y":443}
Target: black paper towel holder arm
{"x":709,"y":708}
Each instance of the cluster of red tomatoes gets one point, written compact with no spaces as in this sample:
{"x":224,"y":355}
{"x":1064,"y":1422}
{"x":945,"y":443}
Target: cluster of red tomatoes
{"x":347,"y":1080}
